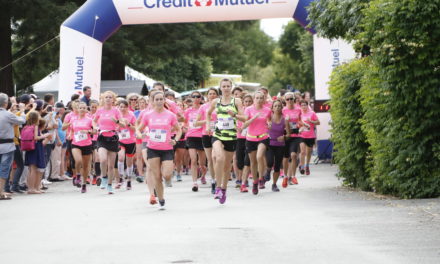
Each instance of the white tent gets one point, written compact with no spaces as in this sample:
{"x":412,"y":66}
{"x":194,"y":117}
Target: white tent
{"x":132,"y":74}
{"x":47,"y":84}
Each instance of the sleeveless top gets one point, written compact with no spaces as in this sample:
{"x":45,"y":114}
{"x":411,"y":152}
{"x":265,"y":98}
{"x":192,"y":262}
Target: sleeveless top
{"x":276,"y":131}
{"x":226,"y":125}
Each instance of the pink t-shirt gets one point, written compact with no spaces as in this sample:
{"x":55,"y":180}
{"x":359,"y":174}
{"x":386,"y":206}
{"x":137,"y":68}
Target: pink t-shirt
{"x":68,"y":119}
{"x":105,"y":122}
{"x":259,"y":126}
{"x":160,"y":126}
{"x":81,"y":138}
{"x":294,"y":116}
{"x":202,"y":113}
{"x":127,"y":134}
{"x":190,"y":119}
{"x":173,"y":107}
{"x":268,"y":104}
{"x":309,"y":132}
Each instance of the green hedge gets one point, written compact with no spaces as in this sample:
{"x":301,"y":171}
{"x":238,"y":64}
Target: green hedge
{"x":395,"y":105}
{"x":347,"y":135}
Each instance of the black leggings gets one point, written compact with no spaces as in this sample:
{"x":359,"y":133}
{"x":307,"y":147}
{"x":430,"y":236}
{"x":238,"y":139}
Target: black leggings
{"x":274,"y":157}
{"x":241,"y":155}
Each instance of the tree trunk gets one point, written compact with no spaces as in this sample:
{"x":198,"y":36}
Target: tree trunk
{"x":6,"y":83}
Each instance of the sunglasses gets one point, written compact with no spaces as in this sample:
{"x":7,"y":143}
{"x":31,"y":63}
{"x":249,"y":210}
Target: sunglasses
{"x":133,"y":99}
{"x":289,"y":99}
{"x":196,"y":96}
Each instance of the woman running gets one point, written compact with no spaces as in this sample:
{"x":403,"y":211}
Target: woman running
{"x":127,"y":141}
{"x":142,"y":105}
{"x":309,"y":120}
{"x":212,"y":94}
{"x":161,"y":123}
{"x":224,"y":141}
{"x":95,"y":157}
{"x":275,"y":153}
{"x":292,"y":115}
{"x":194,"y":141}
{"x":107,"y":120}
{"x":69,"y":137}
{"x":82,"y":148}
{"x":257,"y":138}
{"x":242,"y":157}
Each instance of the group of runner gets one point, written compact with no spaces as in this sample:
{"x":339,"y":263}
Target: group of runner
{"x":232,"y":129}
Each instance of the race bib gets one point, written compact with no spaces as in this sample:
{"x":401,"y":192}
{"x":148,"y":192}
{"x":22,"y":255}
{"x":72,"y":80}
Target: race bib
{"x":158,"y":135}
{"x":293,"y":125}
{"x":212,"y":126}
{"x":124,"y":134}
{"x":244,"y":132}
{"x":225,"y":123}
{"x":80,"y":136}
{"x":192,"y":123}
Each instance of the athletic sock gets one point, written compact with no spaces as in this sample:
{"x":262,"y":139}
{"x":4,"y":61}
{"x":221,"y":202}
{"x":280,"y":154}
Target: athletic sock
{"x":130,"y":171}
{"x":121,"y":168}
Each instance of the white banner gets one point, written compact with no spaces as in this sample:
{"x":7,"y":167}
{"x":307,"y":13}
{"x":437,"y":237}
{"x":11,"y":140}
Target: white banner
{"x":80,"y":64}
{"x":177,"y":11}
{"x":328,"y":55}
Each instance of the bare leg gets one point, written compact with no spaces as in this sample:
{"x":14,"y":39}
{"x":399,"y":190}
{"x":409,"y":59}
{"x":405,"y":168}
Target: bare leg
{"x":154,"y":164}
{"x":261,"y":160}
{"x":193,"y":155}
{"x":208,"y":152}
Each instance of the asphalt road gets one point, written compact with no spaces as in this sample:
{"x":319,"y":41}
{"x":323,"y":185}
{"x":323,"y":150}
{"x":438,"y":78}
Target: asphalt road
{"x":317,"y":221}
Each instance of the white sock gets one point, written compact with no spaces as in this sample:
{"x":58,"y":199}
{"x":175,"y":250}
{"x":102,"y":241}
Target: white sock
{"x":130,"y":171}
{"x":121,"y":168}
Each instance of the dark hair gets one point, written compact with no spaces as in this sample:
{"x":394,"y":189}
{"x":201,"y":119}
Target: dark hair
{"x":237,"y":88}
{"x":273,"y":103}
{"x":85,"y":88}
{"x":48,"y":97}
{"x":93,"y":101}
{"x":74,"y":97}
{"x":169,"y":93}
{"x":159,"y":84}
{"x":303,"y":102}
{"x":283,"y":92}
{"x":196,"y":92}
{"x":123,"y":101}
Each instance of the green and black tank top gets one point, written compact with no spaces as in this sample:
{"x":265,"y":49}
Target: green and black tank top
{"x":226,"y":126}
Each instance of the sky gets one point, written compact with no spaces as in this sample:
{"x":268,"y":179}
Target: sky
{"x":274,"y":26}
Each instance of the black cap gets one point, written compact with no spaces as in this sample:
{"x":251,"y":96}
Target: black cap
{"x":59,"y":105}
{"x":25,"y":99}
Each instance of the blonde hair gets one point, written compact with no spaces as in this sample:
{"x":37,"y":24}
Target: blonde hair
{"x":102,"y":97}
{"x":130,"y":95}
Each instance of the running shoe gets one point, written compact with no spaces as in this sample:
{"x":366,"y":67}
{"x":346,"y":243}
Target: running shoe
{"x":88,"y":180}
{"x":267,"y":176}
{"x":246,"y":182}
{"x":128,"y":185}
{"x":109,"y":189}
{"x":218,"y":193}
{"x":213,"y":188}
{"x":261,"y":184}
{"x":168,"y":183}
{"x":255,"y":188}
{"x":118,"y":185}
{"x":84,"y":188}
{"x":153,"y":199}
{"x":275,"y":188}
{"x":284,"y":184}
{"x":301,"y":170}
{"x":179,"y":178}
{"x":222,"y":199}
{"x":195,"y":187}
{"x":94,"y":180}
{"x":294,"y":180}
{"x":237,"y":184}
{"x":203,"y":180}
{"x":78,"y":181}
{"x":139,"y":179}
{"x":307,"y":170}
{"x":162,"y":205}
{"x":243,"y":189}
{"x":103,"y":183}
{"x":74,"y":180}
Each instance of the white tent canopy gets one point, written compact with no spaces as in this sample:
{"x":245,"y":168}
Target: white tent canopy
{"x":49,"y":84}
{"x":132,"y":74}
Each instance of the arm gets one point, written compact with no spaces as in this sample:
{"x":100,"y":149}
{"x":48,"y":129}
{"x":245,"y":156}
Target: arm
{"x":198,"y":121}
{"x":240,"y":115}
{"x":287,"y":126}
{"x":209,"y":113}
{"x":178,"y":132}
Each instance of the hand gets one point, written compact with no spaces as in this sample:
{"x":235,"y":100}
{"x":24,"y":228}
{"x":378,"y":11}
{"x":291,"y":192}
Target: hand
{"x":173,"y":142}
{"x":269,"y":125}
{"x":280,"y":139}
{"x":287,"y":118}
{"x":59,"y":144}
{"x":13,"y":100}
{"x":48,"y":136}
{"x":138,"y":135}
{"x":239,"y":130}
{"x":231,"y":113}
{"x":114,"y":120}
{"x":22,"y":107}
{"x":34,"y":106}
{"x":13,"y":108}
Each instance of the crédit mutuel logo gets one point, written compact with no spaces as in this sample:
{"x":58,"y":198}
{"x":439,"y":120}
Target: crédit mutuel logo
{"x":200,"y":3}
{"x":79,"y":73}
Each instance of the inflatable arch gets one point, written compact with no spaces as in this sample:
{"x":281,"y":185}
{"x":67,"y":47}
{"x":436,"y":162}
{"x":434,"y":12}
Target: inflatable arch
{"x":84,"y":32}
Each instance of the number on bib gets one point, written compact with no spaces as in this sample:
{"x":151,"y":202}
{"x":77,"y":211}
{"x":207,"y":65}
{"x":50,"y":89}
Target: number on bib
{"x":225,"y":123}
{"x":80,"y":136}
{"x":158,"y":135}
{"x":124,"y":134}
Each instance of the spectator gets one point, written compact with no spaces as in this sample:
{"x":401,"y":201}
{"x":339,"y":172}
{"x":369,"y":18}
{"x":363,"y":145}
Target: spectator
{"x":7,"y":146}
{"x":59,"y":151}
{"x":87,"y":94}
